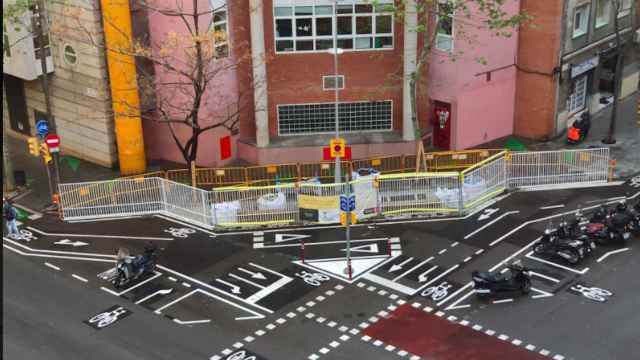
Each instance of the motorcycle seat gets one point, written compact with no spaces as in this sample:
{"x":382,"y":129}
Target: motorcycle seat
{"x":492,"y":276}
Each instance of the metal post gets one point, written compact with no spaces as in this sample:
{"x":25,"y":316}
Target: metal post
{"x":336,"y":87}
{"x":348,"y":270}
{"x":611,"y":137}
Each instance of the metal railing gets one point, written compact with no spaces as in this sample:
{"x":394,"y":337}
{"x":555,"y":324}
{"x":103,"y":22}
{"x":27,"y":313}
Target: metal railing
{"x":310,"y":201}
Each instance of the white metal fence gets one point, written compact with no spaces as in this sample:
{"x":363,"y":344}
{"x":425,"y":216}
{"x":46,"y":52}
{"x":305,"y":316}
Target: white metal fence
{"x":562,"y":167}
{"x":384,"y":195}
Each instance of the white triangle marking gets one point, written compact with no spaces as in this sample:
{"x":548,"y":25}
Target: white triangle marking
{"x":369,"y":248}
{"x":289,"y":237}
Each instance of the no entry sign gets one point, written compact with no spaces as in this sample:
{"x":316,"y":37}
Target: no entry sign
{"x":53,"y":142}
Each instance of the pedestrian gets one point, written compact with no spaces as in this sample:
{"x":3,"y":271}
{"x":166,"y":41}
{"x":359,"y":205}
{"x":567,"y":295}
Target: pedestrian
{"x":10,"y":214}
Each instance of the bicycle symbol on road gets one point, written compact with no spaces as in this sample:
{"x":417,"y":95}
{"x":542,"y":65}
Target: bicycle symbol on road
{"x":314,"y":279}
{"x":437,"y":292}
{"x":108,"y":317}
{"x":592,"y":293}
{"x":635,"y":182}
{"x":241,"y":355}
{"x":25,"y":235}
{"x":180,"y":232}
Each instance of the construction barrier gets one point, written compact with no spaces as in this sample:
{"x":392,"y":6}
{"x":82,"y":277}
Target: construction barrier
{"x":310,"y":201}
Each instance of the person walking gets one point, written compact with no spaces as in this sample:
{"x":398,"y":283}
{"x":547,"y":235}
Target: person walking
{"x":10,"y":214}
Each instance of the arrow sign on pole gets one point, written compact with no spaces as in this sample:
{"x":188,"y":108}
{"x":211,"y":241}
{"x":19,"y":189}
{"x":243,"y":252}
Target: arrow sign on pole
{"x":396,"y":267}
{"x":288,"y":237}
{"x":71,"y":243}
{"x":234,"y":288}
{"x":423,"y":277}
{"x":255,"y":275}
{"x":487,"y":214}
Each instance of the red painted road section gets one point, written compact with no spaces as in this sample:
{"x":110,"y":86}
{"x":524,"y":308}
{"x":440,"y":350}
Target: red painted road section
{"x":435,"y":338}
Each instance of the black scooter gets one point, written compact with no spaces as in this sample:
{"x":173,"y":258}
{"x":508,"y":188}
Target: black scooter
{"x":516,"y":279}
{"x":571,"y":250}
{"x":129,"y":268}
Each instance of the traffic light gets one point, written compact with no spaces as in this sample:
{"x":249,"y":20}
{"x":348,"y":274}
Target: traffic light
{"x":343,"y":218}
{"x":33,"y":146}
{"x":44,"y":150}
{"x":336,"y":148}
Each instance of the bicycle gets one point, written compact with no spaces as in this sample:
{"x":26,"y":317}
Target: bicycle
{"x":180,"y":232}
{"x":592,"y":293}
{"x":107,"y":318}
{"x":240,"y":355}
{"x":314,"y":279}
{"x":437,"y":292}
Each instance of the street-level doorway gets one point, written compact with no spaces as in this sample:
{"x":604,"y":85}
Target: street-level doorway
{"x":442,"y":125}
{"x":17,"y":103}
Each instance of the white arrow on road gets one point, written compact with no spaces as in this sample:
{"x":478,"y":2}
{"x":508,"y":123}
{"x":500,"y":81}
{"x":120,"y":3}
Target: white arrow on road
{"x":487,"y":214}
{"x":423,"y":277}
{"x":369,"y":248}
{"x":255,"y":275}
{"x":288,"y":237}
{"x":234,"y":288}
{"x":159,"y":292}
{"x":396,"y":267}
{"x":71,"y":243}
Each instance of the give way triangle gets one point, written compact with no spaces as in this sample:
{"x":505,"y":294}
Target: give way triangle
{"x":289,"y":237}
{"x":368,"y":248}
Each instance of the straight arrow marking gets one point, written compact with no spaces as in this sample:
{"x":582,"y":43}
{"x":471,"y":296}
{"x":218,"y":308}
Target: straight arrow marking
{"x":255,"y":275}
{"x":234,"y":288}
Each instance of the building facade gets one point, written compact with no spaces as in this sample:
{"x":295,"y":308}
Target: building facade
{"x":567,"y":63}
{"x":78,"y":81}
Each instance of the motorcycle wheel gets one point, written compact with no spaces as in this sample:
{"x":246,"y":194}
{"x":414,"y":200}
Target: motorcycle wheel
{"x":119,"y":281}
{"x":539,"y":249}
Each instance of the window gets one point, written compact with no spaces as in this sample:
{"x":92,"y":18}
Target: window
{"x":36,"y":37}
{"x":578,"y":98}
{"x":359,"y":25}
{"x":580,"y":21}
{"x":220,"y":33}
{"x":329,"y":82}
{"x":625,"y":8}
{"x":69,"y":55}
{"x":320,"y":118}
{"x":603,"y":12}
{"x":444,"y":36}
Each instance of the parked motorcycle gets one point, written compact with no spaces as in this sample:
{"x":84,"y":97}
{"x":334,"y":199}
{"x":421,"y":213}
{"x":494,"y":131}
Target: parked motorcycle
{"x":130,"y":268}
{"x":635,"y":218}
{"x":516,"y":279}
{"x":571,"y":250}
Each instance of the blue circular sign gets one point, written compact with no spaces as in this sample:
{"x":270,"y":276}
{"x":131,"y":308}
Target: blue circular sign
{"x":42,"y":127}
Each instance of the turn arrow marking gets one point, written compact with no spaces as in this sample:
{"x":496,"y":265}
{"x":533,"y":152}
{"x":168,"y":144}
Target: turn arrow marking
{"x":255,"y":275}
{"x":71,"y":243}
{"x":234,"y":288}
{"x":423,"y":277}
{"x":487,"y":214}
{"x":396,"y":267}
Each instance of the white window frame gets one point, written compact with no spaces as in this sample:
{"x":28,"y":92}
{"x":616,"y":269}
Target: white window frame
{"x":353,"y":15}
{"x":341,"y":81}
{"x":604,"y":20}
{"x":389,"y":129}
{"x":446,"y":37}
{"x":219,"y":6}
{"x":625,"y":8}
{"x":577,"y":104}
{"x":584,"y":24}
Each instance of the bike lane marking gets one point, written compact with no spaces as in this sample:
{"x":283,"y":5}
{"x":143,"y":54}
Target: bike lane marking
{"x":99,"y":236}
{"x":600,"y":259}
{"x":51,"y":256}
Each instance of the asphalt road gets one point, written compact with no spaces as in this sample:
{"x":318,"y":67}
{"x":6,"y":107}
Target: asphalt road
{"x":248,"y":296}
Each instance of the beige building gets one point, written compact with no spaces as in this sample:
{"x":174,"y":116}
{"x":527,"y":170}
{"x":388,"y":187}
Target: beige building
{"x":78,"y":80}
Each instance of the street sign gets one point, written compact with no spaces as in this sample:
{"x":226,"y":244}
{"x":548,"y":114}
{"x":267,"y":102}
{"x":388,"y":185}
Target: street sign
{"x":336,"y":148}
{"x":347,"y":203}
{"x":42,"y":127}
{"x":53,"y":142}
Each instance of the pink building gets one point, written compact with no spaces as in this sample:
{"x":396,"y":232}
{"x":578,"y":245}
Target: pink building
{"x":472,"y":82}
{"x":289,"y":115}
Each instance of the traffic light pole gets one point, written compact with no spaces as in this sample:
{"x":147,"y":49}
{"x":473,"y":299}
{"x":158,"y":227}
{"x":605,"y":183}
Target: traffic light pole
{"x":349,"y":269}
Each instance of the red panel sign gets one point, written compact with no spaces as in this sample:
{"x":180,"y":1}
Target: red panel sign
{"x":326,"y":153}
{"x":53,"y":142}
{"x":225,"y":147}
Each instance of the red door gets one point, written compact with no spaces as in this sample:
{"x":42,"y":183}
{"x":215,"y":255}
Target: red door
{"x":442,"y":126}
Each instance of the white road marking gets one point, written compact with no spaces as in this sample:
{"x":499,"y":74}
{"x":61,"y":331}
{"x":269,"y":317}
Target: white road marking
{"x":324,"y":243}
{"x":79,"y":278}
{"x":552,"y":207}
{"x":156,"y":274}
{"x":204,"y":321}
{"x":396,"y":267}
{"x":454,"y":305}
{"x":502,"y":301}
{"x":611,"y":253}
{"x":442,"y":251}
{"x":254,"y":275}
{"x":256,"y":315}
{"x":542,"y":294}
{"x":57,"y":251}
{"x":388,"y":283}
{"x":289,"y":237}
{"x":100,"y":236}
{"x":52,"y":266}
{"x":246,"y":281}
{"x":490,"y":223}
{"x":467,"y":259}
{"x":455,"y":293}
{"x":544,"y":276}
{"x":581,"y":272}
{"x":186,"y":284}
{"x":514,"y":254}
{"x":53,"y":256}
{"x":436,"y":278}
{"x":159,"y":292}
{"x":234,"y":288}
{"x":412,"y":269}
